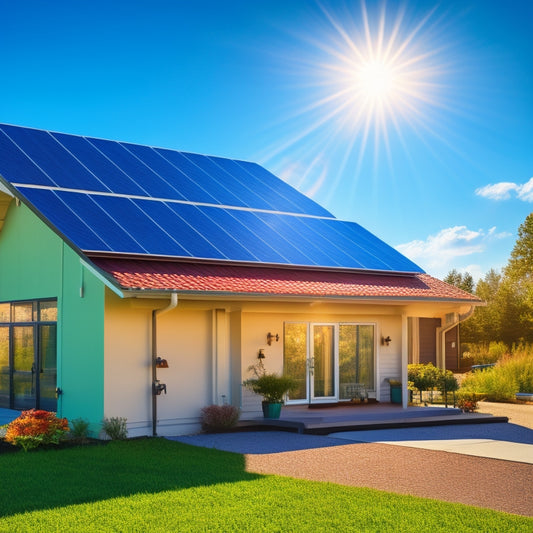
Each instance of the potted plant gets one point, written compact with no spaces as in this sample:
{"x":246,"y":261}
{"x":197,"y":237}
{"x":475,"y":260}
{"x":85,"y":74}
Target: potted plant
{"x":271,"y":386}
{"x":395,"y":390}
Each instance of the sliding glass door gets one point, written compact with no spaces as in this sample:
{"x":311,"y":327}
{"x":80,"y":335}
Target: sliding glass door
{"x":329,"y":361}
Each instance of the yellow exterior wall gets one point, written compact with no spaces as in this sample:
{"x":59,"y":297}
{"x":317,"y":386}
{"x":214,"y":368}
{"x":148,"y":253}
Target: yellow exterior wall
{"x":209,"y":346}
{"x":184,"y":340}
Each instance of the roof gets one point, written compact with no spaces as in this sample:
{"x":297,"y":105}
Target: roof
{"x":116,"y":198}
{"x":250,"y":280}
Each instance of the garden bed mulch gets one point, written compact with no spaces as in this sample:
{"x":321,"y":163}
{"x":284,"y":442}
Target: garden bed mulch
{"x":5,"y":447}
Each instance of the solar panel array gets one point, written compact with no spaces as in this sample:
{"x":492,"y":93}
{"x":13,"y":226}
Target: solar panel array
{"x":114,"y":197}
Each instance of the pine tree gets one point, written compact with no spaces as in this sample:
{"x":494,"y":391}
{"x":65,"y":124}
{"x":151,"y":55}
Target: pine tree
{"x":520,"y":265}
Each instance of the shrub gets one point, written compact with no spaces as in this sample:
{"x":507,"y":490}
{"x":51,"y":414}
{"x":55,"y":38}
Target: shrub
{"x":79,"y":429}
{"x":511,"y":374}
{"x":467,"y":402}
{"x":271,"y":386}
{"x":34,"y":428}
{"x":423,"y":377}
{"x":483,"y":353}
{"x":447,"y":382}
{"x":219,"y":417}
{"x":115,"y":427}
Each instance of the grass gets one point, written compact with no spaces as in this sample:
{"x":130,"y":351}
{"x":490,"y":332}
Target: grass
{"x":157,"y":485}
{"x":513,"y":373}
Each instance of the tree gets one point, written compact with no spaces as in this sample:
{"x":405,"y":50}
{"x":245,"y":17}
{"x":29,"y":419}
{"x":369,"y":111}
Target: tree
{"x":519,"y":280}
{"x":520,"y":265}
{"x":508,"y":314}
{"x":485,"y":325}
{"x":462,"y":281}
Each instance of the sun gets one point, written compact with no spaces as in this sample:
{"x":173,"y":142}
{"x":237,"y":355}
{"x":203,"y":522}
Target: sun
{"x":369,"y":79}
{"x":375,"y":80}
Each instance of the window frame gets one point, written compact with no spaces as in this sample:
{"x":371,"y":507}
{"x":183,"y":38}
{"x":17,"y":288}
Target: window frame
{"x":36,"y":324}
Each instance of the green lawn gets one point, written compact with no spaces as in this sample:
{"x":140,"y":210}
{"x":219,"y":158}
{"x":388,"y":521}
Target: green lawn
{"x":157,"y":485}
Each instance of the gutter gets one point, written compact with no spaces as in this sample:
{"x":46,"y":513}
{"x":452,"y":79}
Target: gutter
{"x":158,"y":388}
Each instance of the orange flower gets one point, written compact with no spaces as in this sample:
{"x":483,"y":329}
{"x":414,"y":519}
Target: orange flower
{"x":35,"y":427}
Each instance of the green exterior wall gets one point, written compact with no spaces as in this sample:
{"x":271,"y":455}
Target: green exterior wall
{"x":36,"y":263}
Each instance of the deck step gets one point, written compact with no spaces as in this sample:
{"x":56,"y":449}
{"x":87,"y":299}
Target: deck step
{"x":326,"y":427}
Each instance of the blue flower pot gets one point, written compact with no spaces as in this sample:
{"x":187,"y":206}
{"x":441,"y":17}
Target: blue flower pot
{"x":272,"y":410}
{"x":396,"y":394}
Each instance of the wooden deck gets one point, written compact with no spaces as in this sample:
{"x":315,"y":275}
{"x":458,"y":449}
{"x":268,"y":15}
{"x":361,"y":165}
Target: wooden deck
{"x":325,"y":420}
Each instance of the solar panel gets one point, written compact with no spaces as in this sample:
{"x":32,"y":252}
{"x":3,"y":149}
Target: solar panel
{"x":107,"y":196}
{"x":186,"y":189}
{"x":98,"y":164}
{"x":16,"y":166}
{"x":66,"y":220}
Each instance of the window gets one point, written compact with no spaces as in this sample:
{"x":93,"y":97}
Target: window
{"x":28,"y":354}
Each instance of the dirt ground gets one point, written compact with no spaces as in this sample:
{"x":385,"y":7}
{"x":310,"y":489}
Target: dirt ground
{"x":518,"y":413}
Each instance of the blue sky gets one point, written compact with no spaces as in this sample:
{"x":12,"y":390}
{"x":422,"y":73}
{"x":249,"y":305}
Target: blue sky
{"x":414,"y":119}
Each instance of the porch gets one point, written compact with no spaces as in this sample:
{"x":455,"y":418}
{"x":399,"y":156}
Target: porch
{"x":329,"y":419}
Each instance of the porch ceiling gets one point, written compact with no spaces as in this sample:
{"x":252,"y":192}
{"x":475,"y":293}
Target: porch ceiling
{"x":206,"y":278}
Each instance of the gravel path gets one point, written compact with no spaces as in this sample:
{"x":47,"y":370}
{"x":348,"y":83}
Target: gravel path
{"x":491,"y":483}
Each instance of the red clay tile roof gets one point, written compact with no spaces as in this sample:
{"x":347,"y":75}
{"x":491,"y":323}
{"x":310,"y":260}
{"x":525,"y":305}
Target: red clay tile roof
{"x":233,"y":279}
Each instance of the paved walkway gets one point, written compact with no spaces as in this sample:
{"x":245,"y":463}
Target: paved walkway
{"x":503,"y":441}
{"x":497,"y":441}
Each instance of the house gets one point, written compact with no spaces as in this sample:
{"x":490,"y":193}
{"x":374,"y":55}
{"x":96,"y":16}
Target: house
{"x":143,"y":282}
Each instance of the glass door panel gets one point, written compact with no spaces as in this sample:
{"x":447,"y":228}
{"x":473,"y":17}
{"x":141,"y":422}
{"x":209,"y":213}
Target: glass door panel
{"x":295,"y":358}
{"x":356,"y":359}
{"x":323,"y":362}
{"x":47,"y":367}
{"x":365,"y":356}
{"x":4,"y":367}
{"x":347,"y":361}
{"x":24,"y":376}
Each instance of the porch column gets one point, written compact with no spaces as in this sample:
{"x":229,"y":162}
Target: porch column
{"x":414,"y":339}
{"x":405,"y":359}
{"x":221,"y":362}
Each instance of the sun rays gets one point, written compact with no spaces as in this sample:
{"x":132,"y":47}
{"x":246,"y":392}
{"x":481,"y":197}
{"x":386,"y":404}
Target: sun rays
{"x":369,"y":77}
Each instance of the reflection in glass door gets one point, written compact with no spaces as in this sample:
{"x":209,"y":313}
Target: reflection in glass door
{"x":356,"y":358}
{"x":24,"y":375}
{"x":323,"y":364}
{"x":4,"y":367}
{"x":47,"y":367}
{"x":295,"y":362}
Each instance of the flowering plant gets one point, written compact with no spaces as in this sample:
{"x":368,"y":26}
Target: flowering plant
{"x":467,"y":403}
{"x":35,"y":427}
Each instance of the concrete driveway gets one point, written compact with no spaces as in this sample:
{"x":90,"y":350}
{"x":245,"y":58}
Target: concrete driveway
{"x":508,"y":442}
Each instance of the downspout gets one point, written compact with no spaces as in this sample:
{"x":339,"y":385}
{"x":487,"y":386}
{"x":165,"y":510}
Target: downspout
{"x":155,"y":313}
{"x":441,"y":339}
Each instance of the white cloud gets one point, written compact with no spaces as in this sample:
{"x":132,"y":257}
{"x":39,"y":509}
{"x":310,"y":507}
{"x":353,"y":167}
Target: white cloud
{"x":503,"y":190}
{"x":525,"y":192}
{"x":439,"y":253}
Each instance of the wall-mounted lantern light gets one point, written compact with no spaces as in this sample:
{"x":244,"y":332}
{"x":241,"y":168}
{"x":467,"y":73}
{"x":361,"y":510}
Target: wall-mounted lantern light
{"x":385,"y":340}
{"x":161,"y":363}
{"x":271,"y":337}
